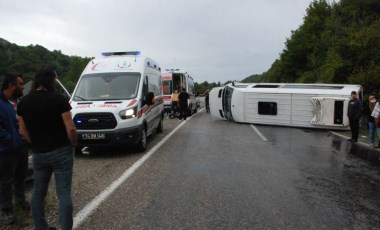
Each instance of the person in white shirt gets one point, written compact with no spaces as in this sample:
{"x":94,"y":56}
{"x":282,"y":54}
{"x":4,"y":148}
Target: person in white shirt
{"x":376,"y":115}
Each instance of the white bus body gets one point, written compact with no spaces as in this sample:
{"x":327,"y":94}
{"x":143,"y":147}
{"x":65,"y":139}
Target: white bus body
{"x":322,"y":106}
{"x":177,"y":79}
{"x":118,"y":100}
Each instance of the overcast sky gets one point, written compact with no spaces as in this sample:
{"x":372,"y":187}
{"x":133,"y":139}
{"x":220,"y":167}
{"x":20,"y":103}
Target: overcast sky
{"x":213,"y":40}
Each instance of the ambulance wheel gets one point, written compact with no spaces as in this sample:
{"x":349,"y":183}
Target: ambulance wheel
{"x":141,"y":145}
{"x":78,"y":150}
{"x":160,"y":126}
{"x":189,"y":112}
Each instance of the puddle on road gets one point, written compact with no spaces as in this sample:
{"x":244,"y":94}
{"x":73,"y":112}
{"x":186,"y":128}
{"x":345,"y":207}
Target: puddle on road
{"x":360,"y":150}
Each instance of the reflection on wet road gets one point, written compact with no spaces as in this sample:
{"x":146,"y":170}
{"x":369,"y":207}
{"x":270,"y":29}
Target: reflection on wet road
{"x":340,"y":180}
{"x":215,"y":174}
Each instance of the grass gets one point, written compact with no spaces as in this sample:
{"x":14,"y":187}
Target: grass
{"x":24,"y":219}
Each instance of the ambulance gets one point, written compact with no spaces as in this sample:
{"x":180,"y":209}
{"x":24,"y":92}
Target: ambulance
{"x":178,"y":79}
{"x":118,"y":101}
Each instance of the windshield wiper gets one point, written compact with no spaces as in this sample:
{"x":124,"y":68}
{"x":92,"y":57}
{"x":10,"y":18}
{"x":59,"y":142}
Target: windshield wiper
{"x":82,"y":98}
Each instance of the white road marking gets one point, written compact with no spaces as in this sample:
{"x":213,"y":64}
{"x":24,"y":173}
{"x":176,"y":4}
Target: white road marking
{"x":259,"y":133}
{"x":90,"y":207}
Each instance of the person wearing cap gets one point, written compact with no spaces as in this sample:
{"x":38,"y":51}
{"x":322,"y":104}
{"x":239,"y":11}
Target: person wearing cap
{"x":354,"y":113}
{"x":375,"y":115}
{"x":371,"y":120}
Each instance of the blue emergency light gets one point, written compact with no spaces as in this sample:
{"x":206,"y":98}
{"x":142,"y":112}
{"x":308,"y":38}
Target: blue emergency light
{"x":78,"y":122}
{"x":107,"y":54}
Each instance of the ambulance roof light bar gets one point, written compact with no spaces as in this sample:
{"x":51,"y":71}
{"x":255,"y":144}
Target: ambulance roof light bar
{"x":107,"y":54}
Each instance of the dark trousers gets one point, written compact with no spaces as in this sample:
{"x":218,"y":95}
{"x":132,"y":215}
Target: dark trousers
{"x":174,"y":108}
{"x":59,"y":162}
{"x":354,"y":125}
{"x":183,"y":110}
{"x":13,"y":169}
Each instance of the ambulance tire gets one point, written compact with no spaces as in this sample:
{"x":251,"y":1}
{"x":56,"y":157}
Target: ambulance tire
{"x":160,"y":126}
{"x":78,"y":150}
{"x":141,"y":145}
{"x":189,"y":111}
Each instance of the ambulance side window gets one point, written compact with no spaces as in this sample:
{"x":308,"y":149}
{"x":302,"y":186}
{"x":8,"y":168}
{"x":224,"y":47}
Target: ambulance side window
{"x":145,"y":89}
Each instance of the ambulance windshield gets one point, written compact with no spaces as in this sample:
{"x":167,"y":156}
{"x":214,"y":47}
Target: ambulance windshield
{"x":107,"y":86}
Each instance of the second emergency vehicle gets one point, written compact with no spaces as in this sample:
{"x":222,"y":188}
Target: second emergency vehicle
{"x":173,"y":79}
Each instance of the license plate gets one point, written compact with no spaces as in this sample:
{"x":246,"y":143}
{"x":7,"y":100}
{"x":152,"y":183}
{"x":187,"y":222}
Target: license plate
{"x":93,"y":136}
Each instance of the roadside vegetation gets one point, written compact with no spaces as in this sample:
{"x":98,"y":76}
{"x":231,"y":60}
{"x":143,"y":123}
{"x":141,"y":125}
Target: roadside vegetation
{"x":338,"y":42}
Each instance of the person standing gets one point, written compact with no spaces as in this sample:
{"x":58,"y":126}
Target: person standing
{"x":376,"y":117}
{"x":183,"y":104}
{"x":174,"y":109}
{"x":207,"y":101}
{"x":45,"y":121}
{"x":13,"y":160}
{"x":371,"y":120}
{"x":354,"y":113}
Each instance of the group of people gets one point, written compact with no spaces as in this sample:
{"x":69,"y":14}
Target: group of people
{"x":373,"y":120}
{"x":40,"y":121}
{"x":354,"y":113}
{"x":179,"y":104}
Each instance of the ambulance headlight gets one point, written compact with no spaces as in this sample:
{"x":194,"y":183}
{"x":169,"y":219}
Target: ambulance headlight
{"x":128,"y":113}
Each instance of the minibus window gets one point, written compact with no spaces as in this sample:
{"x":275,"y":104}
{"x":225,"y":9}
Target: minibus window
{"x":220,"y":93}
{"x":227,"y":103}
{"x":267,"y":108}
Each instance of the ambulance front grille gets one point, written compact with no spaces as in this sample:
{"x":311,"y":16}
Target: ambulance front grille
{"x":89,"y":121}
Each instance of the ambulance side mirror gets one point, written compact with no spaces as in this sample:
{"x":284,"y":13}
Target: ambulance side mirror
{"x":149,"y":98}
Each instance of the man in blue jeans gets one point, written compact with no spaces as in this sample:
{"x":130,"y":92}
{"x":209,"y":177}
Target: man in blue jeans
{"x":376,"y":117}
{"x":45,"y":121}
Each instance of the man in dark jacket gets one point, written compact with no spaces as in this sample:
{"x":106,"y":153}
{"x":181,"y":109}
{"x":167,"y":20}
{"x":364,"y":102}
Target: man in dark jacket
{"x":354,"y":113}
{"x":13,"y":161}
{"x":183,"y":104}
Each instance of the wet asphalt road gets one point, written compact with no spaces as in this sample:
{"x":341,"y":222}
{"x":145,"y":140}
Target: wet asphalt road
{"x":214,"y":174}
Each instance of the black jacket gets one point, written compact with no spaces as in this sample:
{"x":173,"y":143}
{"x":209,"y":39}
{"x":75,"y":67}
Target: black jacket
{"x":354,"y":109}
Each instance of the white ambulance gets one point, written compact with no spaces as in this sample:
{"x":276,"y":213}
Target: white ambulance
{"x":178,"y":79}
{"x":118,"y":101}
